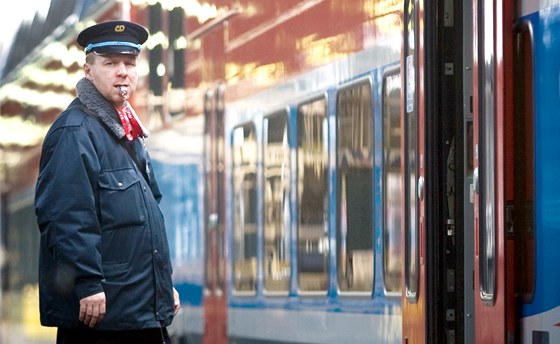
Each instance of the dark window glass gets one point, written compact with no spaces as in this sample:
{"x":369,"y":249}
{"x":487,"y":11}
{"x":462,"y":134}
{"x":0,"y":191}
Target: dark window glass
{"x":276,"y":166}
{"x":355,"y":188}
{"x":524,"y":162}
{"x":312,"y":231}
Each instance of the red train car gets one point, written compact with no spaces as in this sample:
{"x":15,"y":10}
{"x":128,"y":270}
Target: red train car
{"x":369,"y":171}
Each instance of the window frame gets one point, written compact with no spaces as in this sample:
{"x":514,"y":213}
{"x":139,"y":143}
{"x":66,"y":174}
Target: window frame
{"x":253,"y":266}
{"x":364,"y":257}
{"x":286,"y":207}
{"x":385,"y":192}
{"x":323,"y":244}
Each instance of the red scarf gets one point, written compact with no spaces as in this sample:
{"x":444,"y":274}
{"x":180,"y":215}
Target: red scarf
{"x":133,"y":128}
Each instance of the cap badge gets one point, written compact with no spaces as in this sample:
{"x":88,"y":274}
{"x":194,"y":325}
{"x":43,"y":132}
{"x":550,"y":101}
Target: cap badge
{"x":119,"y":28}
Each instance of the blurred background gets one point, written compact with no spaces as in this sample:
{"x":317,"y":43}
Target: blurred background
{"x":40,"y":64}
{"x":25,"y":25}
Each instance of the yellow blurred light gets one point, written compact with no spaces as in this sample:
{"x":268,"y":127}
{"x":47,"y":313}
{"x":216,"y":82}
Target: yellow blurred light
{"x":261,"y":76}
{"x":375,"y":9}
{"x":180,"y":43}
{"x":47,"y":78}
{"x":58,"y":51}
{"x":16,"y":131}
{"x":160,"y":69}
{"x":38,"y":99}
{"x":157,"y":38}
{"x":321,"y":51}
{"x":30,"y":316}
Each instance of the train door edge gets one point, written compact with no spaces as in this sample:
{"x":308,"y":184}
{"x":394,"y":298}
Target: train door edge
{"x":492,"y":101}
{"x":412,"y":119}
{"x":521,"y":186}
{"x":215,"y":303}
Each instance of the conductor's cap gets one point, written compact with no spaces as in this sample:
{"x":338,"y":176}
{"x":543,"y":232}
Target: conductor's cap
{"x":113,"y":37}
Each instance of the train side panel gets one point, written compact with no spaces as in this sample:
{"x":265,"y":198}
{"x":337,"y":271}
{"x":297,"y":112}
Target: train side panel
{"x":177,"y":161}
{"x":540,"y":312}
{"x":326,"y":315}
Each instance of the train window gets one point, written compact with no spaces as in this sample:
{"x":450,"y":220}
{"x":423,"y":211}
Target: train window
{"x":487,"y":156}
{"x":312,"y":231}
{"x":355,"y":188}
{"x":276,"y":166}
{"x":524,"y":162}
{"x":244,"y":150}
{"x":392,"y":182}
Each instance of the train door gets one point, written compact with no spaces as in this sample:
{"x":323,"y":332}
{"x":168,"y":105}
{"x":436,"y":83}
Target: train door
{"x":437,"y":122}
{"x":446,"y":167}
{"x":215,"y":306}
{"x":521,"y":183}
{"x":414,"y":294}
{"x":494,"y":302}
{"x":467,"y":173}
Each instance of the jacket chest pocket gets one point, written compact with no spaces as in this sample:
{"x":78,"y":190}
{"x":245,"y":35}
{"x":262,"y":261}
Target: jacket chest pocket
{"x":120,"y":200}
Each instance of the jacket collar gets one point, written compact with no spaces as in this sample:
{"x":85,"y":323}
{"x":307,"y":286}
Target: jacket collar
{"x":93,"y":100}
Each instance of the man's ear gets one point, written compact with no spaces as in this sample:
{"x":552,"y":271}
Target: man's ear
{"x":87,"y":72}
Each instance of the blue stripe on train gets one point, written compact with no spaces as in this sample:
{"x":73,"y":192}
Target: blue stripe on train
{"x":546,"y":26}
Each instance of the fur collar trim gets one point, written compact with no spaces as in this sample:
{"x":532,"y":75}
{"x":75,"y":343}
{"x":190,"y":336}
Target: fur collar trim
{"x":93,"y":100}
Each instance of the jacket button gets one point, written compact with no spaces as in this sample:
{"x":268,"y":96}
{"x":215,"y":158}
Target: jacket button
{"x":120,"y":185}
{"x":155,"y":251}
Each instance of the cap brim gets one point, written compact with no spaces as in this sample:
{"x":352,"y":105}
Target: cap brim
{"x":115,"y":50}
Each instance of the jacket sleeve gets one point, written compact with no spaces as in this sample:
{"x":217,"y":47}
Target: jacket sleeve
{"x":66,"y":207}
{"x":154,"y":186}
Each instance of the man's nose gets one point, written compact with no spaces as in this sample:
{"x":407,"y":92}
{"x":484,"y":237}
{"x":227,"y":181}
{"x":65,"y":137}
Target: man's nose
{"x":121,"y":68}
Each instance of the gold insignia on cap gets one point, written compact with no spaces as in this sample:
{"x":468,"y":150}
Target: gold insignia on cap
{"x":119,"y":28}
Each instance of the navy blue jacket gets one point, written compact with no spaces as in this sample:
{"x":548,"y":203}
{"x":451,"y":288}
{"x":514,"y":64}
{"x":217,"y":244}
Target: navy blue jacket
{"x":100,"y":223}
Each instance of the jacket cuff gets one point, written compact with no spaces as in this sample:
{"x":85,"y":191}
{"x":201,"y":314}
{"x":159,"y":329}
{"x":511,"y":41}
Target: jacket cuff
{"x":88,"y":288}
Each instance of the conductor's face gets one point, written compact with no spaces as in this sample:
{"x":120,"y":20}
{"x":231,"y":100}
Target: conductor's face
{"x":114,"y":75}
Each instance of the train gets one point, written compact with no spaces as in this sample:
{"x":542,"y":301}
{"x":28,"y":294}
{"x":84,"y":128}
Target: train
{"x":368,"y":171}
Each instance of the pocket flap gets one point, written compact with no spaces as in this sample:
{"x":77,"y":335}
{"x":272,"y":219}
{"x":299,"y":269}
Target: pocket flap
{"x":117,"y":180}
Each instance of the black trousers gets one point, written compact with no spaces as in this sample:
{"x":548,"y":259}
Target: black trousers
{"x":89,"y":336}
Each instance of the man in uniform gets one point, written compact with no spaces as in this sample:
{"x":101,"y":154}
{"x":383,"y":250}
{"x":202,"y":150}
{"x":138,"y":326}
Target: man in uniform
{"x":105,"y":269}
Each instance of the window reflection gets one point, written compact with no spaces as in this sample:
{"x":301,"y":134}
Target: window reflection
{"x":276,"y":163}
{"x":412,"y":252}
{"x":392,"y":183}
{"x":487,"y":127}
{"x":312,"y":158}
{"x":524,"y":162}
{"x":355,"y":188}
{"x":244,"y":151}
